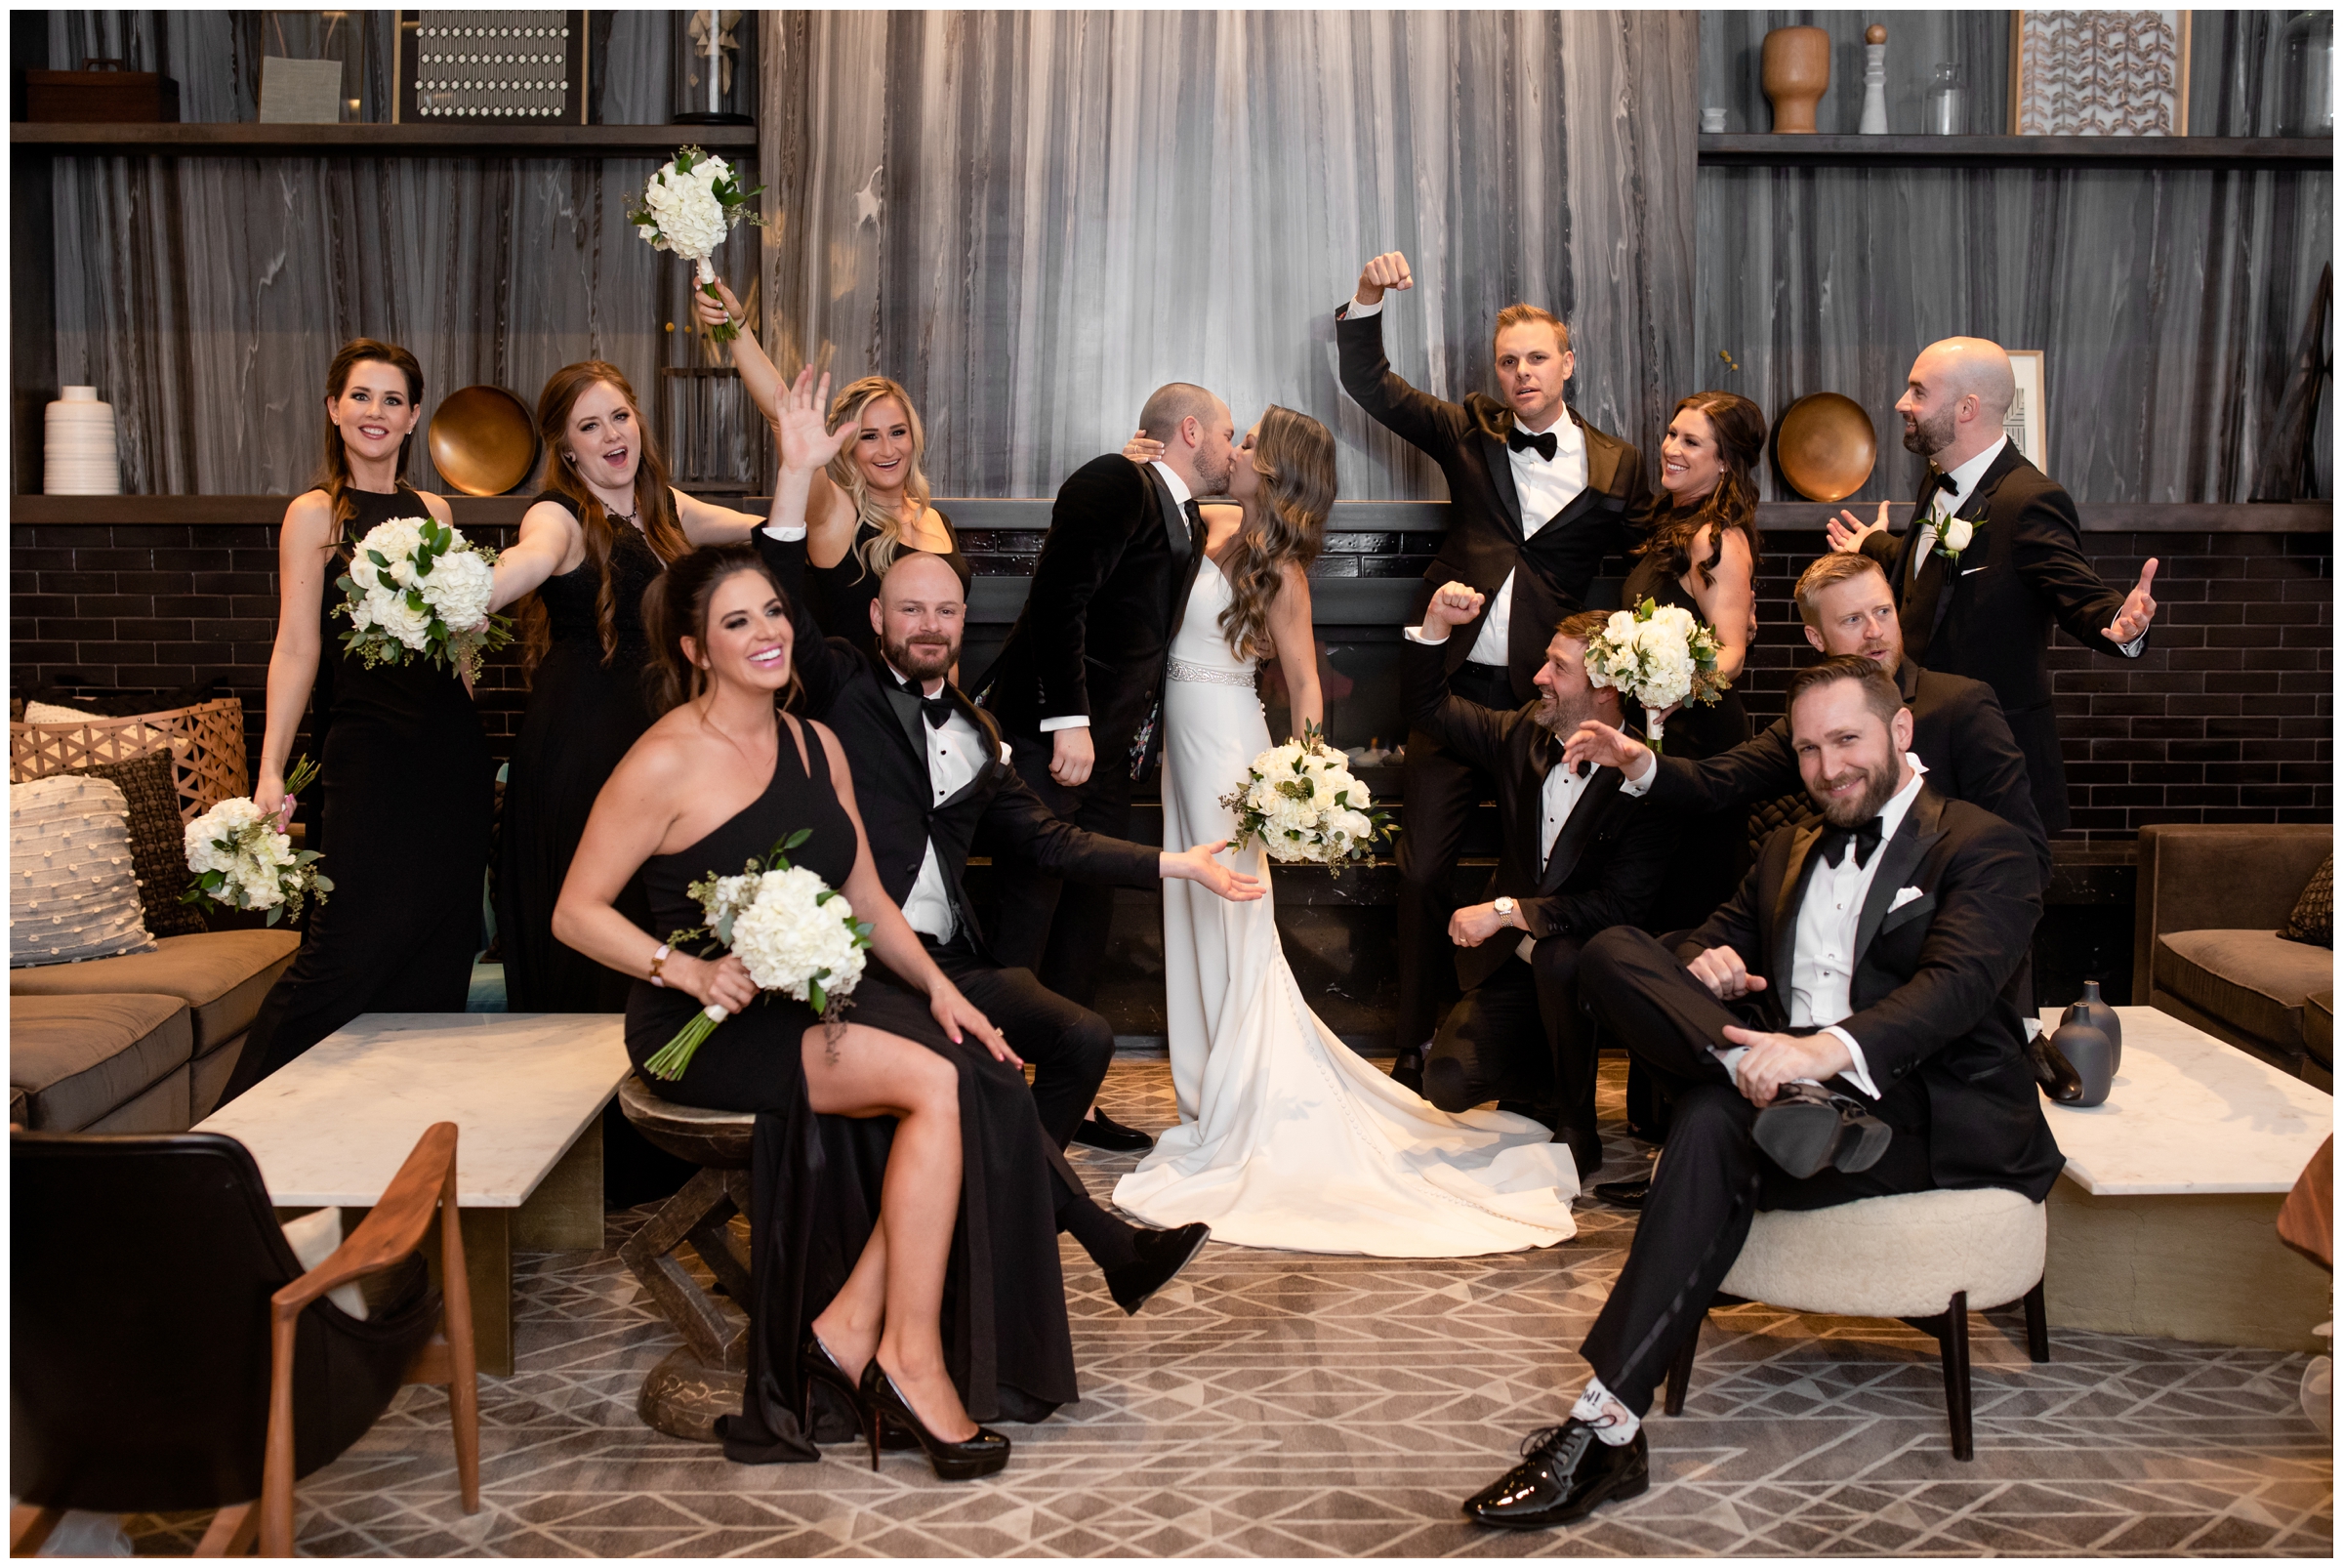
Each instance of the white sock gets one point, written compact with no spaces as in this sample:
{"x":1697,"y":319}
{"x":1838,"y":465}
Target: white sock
{"x":1599,"y":1408}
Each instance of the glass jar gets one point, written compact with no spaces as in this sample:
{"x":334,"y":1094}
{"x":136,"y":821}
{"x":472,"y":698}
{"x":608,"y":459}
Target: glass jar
{"x":2307,"y":76}
{"x":1948,"y":106}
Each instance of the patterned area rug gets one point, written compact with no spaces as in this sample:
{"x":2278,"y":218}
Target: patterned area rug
{"x":1273,"y":1404}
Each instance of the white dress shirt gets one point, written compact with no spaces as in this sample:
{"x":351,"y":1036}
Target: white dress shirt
{"x":1179,"y":520}
{"x":1560,"y":796}
{"x":955,"y":756}
{"x":1543,"y":488}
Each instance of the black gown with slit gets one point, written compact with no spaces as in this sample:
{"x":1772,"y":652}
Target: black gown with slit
{"x":585,"y":709}
{"x":841,"y":597}
{"x":408,"y":790}
{"x":816,"y":1178}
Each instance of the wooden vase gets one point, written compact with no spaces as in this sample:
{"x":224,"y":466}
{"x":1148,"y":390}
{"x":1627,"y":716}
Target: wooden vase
{"x":1795,"y":72}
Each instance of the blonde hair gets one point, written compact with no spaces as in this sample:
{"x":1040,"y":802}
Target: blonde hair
{"x":1513,"y":316}
{"x":879,"y":553}
{"x":1833,"y":568}
{"x":1284,"y":525}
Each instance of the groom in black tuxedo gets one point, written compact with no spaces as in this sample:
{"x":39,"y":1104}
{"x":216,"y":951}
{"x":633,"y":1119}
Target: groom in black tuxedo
{"x":1579,"y":858}
{"x":1536,"y":499}
{"x":1077,"y":685}
{"x":1843,"y":1029}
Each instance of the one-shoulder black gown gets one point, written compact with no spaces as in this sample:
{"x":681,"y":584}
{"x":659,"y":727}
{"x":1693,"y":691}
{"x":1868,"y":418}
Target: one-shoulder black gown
{"x":408,"y":791}
{"x":817,"y":1177}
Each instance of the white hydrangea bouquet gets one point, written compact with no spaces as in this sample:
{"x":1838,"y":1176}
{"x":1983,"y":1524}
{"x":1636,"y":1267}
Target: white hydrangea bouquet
{"x":242,"y":861}
{"x":1301,"y":802}
{"x":1661,"y":656}
{"x":689,"y":206}
{"x":416,"y":585}
{"x":793,"y":933}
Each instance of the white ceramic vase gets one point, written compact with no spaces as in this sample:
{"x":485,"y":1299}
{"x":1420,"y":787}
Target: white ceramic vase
{"x":78,"y":455}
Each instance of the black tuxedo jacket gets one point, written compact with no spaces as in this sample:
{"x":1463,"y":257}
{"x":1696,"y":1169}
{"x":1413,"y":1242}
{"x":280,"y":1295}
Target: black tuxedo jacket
{"x":855,"y":694}
{"x":1608,"y":861}
{"x":1934,"y":1010}
{"x":1107,"y":594}
{"x":1485,"y":542}
{"x":1956,"y":728}
{"x":2023,"y":569}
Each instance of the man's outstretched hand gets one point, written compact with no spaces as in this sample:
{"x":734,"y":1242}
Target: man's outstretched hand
{"x":1196,"y":864}
{"x":1847,"y":532}
{"x":2131,"y":622}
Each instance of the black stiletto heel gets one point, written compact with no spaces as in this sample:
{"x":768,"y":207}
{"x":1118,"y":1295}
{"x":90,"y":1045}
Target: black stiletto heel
{"x":816,"y":1364}
{"x":982,"y":1455}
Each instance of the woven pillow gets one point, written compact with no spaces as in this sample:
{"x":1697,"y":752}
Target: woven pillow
{"x":146,"y":737}
{"x":73,"y":892}
{"x":159,"y":841}
{"x":2313,"y":917}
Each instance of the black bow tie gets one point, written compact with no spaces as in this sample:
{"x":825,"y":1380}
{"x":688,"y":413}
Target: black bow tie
{"x":1521,"y":440}
{"x":1938,"y":479}
{"x":1864,"y":837}
{"x":936,"y":710}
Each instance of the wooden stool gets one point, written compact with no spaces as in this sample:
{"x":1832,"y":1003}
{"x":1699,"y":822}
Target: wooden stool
{"x":701,"y":1378}
{"x":1930,"y":1258}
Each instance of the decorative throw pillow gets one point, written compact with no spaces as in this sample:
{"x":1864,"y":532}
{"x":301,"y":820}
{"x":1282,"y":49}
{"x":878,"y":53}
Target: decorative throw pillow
{"x":2313,"y":917}
{"x":146,"y":737}
{"x":71,"y":890}
{"x":158,"y":842}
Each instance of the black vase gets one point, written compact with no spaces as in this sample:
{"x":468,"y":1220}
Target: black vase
{"x":2093,"y":1057}
{"x":2100,"y":1017}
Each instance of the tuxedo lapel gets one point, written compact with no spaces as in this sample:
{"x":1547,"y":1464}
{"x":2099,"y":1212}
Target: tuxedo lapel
{"x":1594,"y":800}
{"x":907,"y":716}
{"x":1529,"y":813}
{"x":1500,"y":463}
{"x":1787,"y":897}
{"x":1898,"y":858}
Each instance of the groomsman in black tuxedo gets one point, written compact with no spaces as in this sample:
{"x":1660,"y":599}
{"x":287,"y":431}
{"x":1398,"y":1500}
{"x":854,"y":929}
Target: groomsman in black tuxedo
{"x":1842,"y":1029}
{"x":931,"y":780}
{"x":1993,"y":556}
{"x":1579,"y":857}
{"x":1536,"y":498}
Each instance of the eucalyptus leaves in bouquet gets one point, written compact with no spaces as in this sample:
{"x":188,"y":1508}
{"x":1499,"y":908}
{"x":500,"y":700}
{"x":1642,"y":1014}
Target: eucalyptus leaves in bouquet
{"x":1303,"y":802}
{"x":243,"y":860}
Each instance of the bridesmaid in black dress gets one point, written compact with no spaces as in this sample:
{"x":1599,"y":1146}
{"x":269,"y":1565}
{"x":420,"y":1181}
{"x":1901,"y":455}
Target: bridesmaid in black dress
{"x":605,"y":527}
{"x":869,"y":503}
{"x":909,"y":1266}
{"x":403,"y":766}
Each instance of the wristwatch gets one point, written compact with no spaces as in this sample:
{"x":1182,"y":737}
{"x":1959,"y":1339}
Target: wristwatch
{"x":1504,"y":907}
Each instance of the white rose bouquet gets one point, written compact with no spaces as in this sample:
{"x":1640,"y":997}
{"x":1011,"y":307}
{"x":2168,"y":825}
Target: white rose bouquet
{"x":689,"y":205}
{"x":242,"y":861}
{"x":1301,"y":802}
{"x":792,"y":930}
{"x":416,"y":585}
{"x":1661,"y":658}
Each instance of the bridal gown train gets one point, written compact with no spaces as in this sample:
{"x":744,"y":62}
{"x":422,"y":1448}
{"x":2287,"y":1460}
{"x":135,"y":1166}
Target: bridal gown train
{"x":1287,"y":1139}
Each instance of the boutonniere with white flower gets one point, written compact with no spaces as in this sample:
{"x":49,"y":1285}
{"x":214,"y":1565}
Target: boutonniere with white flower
{"x":1952,"y":536}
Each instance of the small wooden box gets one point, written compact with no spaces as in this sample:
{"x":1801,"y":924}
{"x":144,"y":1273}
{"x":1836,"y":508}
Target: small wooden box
{"x":82,"y":97}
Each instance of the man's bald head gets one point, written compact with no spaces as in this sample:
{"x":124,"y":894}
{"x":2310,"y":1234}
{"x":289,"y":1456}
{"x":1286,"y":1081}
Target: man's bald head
{"x":1979,"y":366}
{"x":1956,"y":399}
{"x":1197,"y":434}
{"x":919,"y":614}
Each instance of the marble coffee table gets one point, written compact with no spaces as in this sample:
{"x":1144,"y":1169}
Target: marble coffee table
{"x":2165,"y":1222}
{"x":526,"y":1093}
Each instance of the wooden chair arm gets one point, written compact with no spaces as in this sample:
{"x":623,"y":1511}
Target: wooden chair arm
{"x":391,"y":1231}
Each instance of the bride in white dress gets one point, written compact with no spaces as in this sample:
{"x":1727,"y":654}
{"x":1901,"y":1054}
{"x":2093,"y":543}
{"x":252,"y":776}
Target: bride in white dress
{"x":1287,"y":1139}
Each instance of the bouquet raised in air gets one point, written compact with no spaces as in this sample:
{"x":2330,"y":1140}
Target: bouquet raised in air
{"x":1661,"y":658}
{"x":241,"y":861}
{"x":416,"y":585}
{"x":1301,"y":802}
{"x":793,"y":930}
{"x":689,"y":206}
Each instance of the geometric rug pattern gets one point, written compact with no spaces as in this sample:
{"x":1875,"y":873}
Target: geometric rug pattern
{"x":1274,"y":1404}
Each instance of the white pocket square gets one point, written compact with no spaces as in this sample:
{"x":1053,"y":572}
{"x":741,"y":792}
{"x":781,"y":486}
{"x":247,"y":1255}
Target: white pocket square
{"x":1972,"y":571}
{"x":1905,"y":896}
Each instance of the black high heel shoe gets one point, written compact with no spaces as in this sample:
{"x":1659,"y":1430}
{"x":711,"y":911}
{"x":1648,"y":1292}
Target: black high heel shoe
{"x":982,"y":1455}
{"x":815,"y":1364}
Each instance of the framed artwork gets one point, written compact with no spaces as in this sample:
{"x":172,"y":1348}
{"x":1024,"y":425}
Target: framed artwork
{"x":2028,"y":421}
{"x":2099,"y":73}
{"x":507,"y":67}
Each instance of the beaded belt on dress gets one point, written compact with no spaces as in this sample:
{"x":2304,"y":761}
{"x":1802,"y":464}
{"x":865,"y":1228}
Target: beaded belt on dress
{"x":1183,"y":670}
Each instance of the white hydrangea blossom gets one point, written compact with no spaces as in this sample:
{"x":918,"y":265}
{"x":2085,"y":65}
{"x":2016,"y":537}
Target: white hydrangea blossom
{"x":1302,"y":802}
{"x":1660,"y":655}
{"x":789,"y":937}
{"x":417,"y":585}
{"x":458,"y":588}
{"x":257,"y":865}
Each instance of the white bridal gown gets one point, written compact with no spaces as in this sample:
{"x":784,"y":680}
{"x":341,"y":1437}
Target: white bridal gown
{"x":1286,"y":1137}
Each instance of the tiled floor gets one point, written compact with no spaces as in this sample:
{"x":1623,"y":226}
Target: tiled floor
{"x":1285,"y":1404}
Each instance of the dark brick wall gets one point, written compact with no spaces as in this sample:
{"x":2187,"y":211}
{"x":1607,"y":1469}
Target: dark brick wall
{"x":2228,"y":717}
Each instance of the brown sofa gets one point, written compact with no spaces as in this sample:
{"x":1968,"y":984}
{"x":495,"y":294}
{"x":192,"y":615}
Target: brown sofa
{"x":142,"y":1043}
{"x":2206,"y":946}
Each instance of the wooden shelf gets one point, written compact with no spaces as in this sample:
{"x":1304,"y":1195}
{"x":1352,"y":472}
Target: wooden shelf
{"x":2242,"y":154}
{"x":1031,"y":513}
{"x":455,"y":140}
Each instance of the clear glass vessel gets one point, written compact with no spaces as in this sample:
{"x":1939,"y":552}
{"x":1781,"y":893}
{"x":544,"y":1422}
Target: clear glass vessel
{"x":1948,"y":106}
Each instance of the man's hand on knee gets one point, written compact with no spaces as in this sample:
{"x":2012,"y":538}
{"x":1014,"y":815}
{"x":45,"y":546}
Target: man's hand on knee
{"x":1722,"y":972}
{"x":1771,"y":1060}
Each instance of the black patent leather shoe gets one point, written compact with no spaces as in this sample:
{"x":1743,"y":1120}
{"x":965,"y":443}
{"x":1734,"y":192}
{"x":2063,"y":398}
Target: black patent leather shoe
{"x":1161,"y":1254}
{"x":1808,"y":1127}
{"x":2051,"y":1069}
{"x":1565,"y":1474}
{"x":1624,"y":1194}
{"x":984,"y":1454}
{"x":1100,"y":1131}
{"x":1406,"y":1071}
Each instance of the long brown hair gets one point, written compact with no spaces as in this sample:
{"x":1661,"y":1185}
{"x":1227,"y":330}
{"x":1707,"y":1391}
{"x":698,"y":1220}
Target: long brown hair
{"x":879,"y":553}
{"x":1285,"y":523}
{"x":333,"y":472}
{"x":1738,"y":426}
{"x":654,"y":501}
{"x":676,"y":607}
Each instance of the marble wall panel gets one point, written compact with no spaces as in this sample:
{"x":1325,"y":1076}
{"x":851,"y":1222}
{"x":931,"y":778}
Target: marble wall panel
{"x":1033,"y":219}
